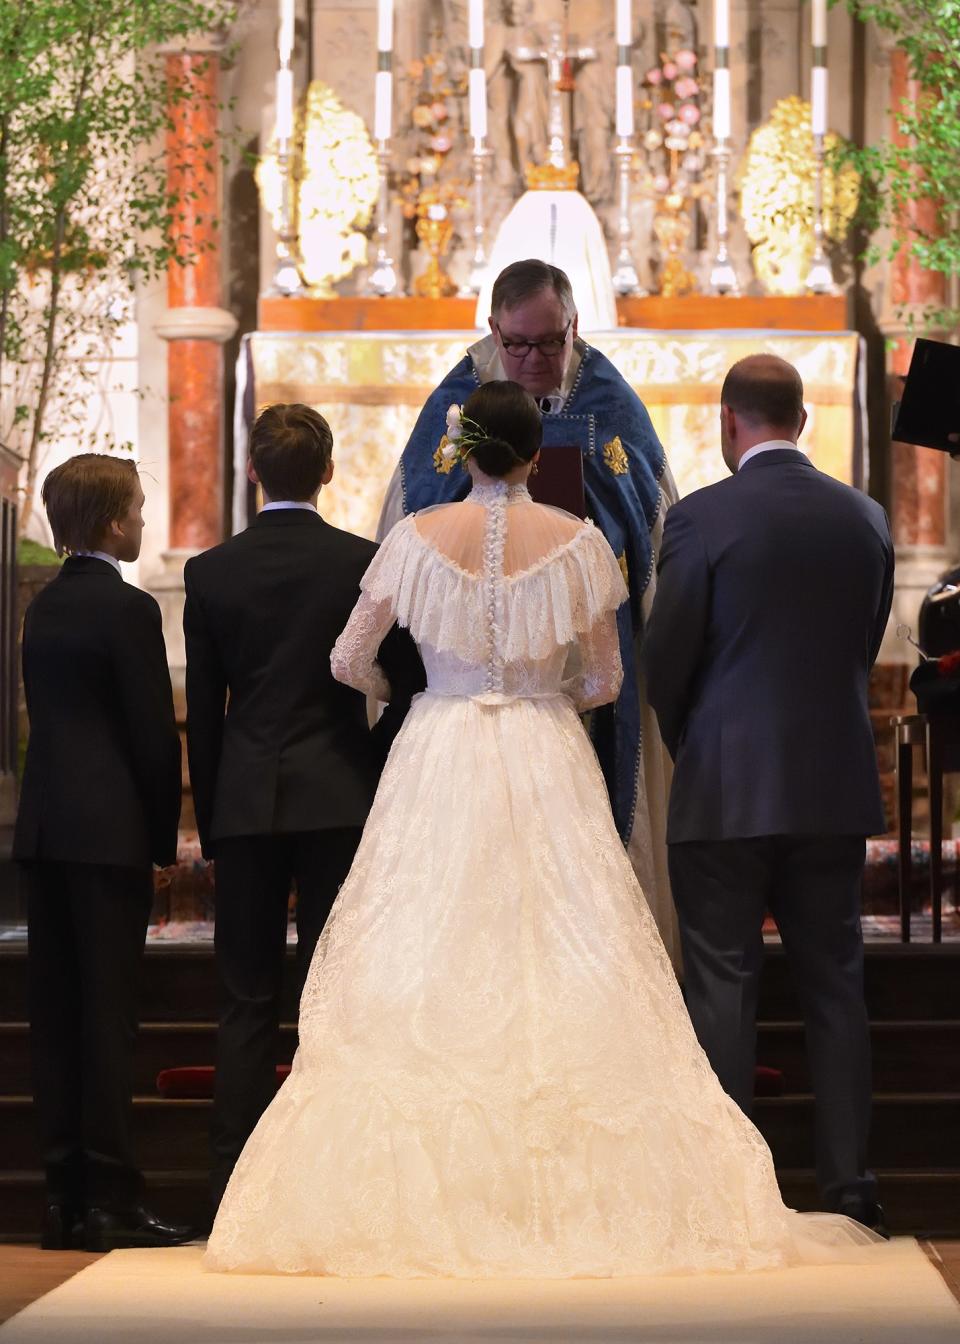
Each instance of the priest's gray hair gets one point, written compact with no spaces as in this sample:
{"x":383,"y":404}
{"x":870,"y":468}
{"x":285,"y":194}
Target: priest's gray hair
{"x":521,"y":280}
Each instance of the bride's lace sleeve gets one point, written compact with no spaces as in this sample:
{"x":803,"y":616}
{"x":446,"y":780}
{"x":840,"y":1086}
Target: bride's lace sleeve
{"x":601,"y":675}
{"x":354,"y":657}
{"x":596,"y":590}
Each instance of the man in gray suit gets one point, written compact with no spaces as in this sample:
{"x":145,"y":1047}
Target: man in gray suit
{"x":773,"y":594}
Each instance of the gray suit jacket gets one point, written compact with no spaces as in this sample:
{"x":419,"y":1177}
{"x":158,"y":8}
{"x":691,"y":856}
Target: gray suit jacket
{"x":773,"y":594}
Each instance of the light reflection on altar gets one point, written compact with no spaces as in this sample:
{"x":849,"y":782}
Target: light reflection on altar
{"x":370,"y":386}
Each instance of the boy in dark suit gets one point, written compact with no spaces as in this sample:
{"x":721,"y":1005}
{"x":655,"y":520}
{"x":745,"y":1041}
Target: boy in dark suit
{"x":774,"y":591}
{"x":283,"y":782}
{"x":100,"y":803}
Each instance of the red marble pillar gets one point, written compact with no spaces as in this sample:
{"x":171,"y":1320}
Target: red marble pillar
{"x":919,"y":515}
{"x":195,"y":327}
{"x":195,"y":366}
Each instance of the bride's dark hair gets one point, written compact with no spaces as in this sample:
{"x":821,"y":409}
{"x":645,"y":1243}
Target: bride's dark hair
{"x":510,"y":418}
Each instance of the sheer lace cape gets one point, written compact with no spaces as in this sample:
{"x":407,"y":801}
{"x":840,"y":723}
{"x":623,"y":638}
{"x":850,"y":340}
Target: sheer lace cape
{"x":560,"y":578}
{"x":497,"y":586}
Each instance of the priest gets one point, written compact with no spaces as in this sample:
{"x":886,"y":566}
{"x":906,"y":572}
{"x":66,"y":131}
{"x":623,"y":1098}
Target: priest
{"x":627,"y":487}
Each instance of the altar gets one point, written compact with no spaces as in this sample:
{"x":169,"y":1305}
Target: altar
{"x":370,"y":384}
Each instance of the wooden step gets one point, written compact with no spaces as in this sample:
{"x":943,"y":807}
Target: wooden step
{"x":160,"y":1045}
{"x":913,"y":982}
{"x":908,"y":1131}
{"x":907,"y":1056}
{"x":916,"y":1203}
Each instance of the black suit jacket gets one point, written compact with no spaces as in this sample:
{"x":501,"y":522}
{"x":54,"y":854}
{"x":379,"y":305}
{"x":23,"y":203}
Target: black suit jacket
{"x":294,"y":753}
{"x":101,"y":782}
{"x":773,"y":594}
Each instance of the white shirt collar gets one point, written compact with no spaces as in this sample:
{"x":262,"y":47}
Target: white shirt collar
{"x":289,"y":504}
{"x":102,"y":555}
{"x":769,"y":446}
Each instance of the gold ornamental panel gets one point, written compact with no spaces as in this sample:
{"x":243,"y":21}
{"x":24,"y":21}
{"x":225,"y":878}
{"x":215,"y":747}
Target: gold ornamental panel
{"x":371,"y":386}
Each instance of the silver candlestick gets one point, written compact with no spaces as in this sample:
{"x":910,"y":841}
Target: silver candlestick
{"x":383,"y":278}
{"x":625,"y":277}
{"x":723,"y":275}
{"x":478,"y":267}
{"x":820,"y":276}
{"x":288,"y":271}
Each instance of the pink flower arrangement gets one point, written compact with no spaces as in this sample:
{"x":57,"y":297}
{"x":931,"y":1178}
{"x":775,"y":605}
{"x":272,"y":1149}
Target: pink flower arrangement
{"x":690,"y":114}
{"x":654,"y":76}
{"x":685,"y":87}
{"x":665,"y":111}
{"x":686,"y":59}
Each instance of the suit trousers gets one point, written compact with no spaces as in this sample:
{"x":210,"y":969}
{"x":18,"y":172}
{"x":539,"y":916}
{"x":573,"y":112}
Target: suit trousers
{"x":811,"y":886}
{"x":86,"y":926}
{"x":254,"y":875}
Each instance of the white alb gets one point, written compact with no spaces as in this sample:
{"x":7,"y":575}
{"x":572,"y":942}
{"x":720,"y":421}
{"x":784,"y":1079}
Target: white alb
{"x":496,"y":1073}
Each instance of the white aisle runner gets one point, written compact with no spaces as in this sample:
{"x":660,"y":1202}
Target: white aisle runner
{"x":164,"y":1297}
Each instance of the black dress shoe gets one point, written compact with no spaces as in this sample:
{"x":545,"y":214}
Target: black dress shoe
{"x":110,"y":1230}
{"x":870,"y":1215}
{"x":62,"y":1228}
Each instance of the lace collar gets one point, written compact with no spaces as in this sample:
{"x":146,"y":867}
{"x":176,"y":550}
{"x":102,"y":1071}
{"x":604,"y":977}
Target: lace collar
{"x":490,"y":493}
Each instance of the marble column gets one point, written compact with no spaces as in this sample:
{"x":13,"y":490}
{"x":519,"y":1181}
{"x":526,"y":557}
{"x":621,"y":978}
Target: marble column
{"x":195,"y":327}
{"x":920,"y":477}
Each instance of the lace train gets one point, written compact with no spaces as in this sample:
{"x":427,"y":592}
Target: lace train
{"x":497,"y":1075}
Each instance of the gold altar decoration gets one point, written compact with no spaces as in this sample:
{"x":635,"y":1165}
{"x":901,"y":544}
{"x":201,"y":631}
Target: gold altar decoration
{"x":674,"y":163}
{"x":776,"y":181}
{"x":435,"y":229}
{"x":333,"y":186}
{"x":429,"y":196}
{"x":552,"y":177}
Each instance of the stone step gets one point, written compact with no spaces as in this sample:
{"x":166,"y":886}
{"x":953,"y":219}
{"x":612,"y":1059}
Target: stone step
{"x":917,"y":1131}
{"x":917,"y":982}
{"x":917,"y":1203}
{"x":907,"y":1056}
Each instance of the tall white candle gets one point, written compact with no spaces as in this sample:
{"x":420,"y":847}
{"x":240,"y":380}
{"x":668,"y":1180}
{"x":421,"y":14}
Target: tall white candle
{"x":285,"y":38}
{"x":284,"y":104}
{"x":385,"y":25}
{"x":721,"y":104}
{"x":383,"y":105}
{"x":624,"y":24}
{"x":478,"y":104}
{"x":819,"y":22}
{"x":624,"y":99}
{"x":818,"y":100}
{"x":475,"y":23}
{"x":721,"y":23}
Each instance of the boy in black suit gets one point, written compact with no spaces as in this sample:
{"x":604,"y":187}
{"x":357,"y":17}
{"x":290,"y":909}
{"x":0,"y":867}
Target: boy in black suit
{"x":100,"y":804}
{"x":283,"y":782}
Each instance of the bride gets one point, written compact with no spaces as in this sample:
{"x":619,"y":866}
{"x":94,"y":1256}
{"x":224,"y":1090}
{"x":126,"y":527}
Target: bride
{"x":496,"y":1074}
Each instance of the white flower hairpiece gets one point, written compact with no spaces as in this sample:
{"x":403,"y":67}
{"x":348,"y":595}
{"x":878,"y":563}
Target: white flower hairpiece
{"x":463,"y":434}
{"x":454,"y":430}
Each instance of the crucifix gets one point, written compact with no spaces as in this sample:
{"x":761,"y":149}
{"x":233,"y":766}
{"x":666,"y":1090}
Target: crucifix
{"x":562,"y":63}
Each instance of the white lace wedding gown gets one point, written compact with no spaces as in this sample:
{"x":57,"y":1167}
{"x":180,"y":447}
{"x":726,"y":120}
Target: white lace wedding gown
{"x":496,"y":1074}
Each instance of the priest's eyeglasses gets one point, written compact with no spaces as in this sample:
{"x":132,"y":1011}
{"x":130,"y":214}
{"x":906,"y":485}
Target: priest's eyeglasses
{"x":553,"y":345}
